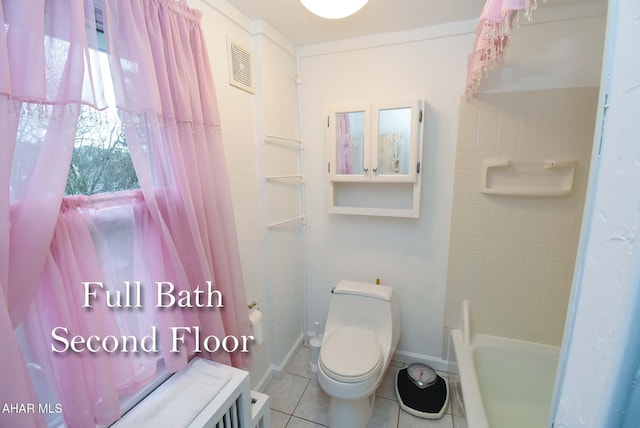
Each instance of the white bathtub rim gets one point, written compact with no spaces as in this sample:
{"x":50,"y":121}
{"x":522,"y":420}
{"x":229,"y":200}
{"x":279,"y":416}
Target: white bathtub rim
{"x":466,"y":369}
{"x":473,"y":406}
{"x":480,"y":339}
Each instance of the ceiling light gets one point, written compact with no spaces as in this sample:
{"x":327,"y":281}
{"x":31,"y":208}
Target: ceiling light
{"x":334,"y":9}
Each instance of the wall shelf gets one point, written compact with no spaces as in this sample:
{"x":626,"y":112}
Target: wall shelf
{"x":271,"y":137}
{"x":289,"y":220}
{"x":512,"y":178}
{"x":283,"y":177}
{"x":290,"y":179}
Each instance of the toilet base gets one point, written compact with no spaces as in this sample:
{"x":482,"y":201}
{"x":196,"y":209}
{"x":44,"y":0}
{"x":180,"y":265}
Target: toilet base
{"x":350,"y":413}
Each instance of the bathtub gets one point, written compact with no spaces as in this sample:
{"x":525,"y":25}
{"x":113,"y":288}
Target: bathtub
{"x":503,"y":383}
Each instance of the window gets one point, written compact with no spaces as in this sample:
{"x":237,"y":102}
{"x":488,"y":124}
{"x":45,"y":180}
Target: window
{"x":177,"y":243}
{"x":101,"y":161}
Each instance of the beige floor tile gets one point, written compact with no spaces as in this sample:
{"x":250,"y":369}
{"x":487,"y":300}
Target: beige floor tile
{"x":279,"y":419}
{"x":302,"y":423}
{"x":409,"y":421}
{"x":387,"y":388}
{"x":385,"y":414}
{"x":286,"y":392}
{"x":300,"y":364}
{"x":314,"y":405}
{"x":297,"y":403}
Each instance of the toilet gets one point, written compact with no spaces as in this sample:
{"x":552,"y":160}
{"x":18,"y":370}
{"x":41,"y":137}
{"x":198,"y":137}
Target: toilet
{"x":360,"y":337}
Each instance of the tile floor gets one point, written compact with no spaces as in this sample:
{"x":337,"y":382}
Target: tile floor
{"x":297,"y":403}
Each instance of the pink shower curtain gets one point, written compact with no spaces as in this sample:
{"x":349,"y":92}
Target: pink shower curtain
{"x":492,"y":38}
{"x":45,"y":78}
{"x":165,"y":92}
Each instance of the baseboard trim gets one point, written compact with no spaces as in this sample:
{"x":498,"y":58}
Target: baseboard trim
{"x":407,"y":357}
{"x":278,"y":370}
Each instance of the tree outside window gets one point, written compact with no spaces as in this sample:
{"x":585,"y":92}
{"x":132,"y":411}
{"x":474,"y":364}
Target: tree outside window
{"x":100,"y":161}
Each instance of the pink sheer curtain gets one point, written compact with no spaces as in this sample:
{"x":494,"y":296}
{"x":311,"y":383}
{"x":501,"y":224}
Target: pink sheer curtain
{"x":183,"y":225}
{"x":492,"y":38}
{"x":106,"y":238}
{"x":86,"y":383}
{"x":109,"y":238}
{"x":45,"y":78}
{"x":165,"y":92}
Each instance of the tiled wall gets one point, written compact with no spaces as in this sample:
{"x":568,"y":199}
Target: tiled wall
{"x":512,"y":257}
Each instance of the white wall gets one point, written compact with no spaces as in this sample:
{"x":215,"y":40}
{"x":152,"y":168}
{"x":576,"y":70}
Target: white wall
{"x":512,"y":256}
{"x":561,"y":48}
{"x":428,"y":63}
{"x":410,"y":254}
{"x":594,"y":383}
{"x":244,"y":116}
{"x":278,"y":116}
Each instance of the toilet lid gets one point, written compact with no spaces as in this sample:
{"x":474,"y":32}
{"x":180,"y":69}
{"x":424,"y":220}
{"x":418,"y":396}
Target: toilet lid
{"x":350,"y":354}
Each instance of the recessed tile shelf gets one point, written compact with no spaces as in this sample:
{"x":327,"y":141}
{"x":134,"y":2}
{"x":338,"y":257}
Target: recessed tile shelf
{"x":543,"y":178}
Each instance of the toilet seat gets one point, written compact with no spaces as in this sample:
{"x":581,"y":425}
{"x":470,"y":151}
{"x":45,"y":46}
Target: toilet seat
{"x":350,"y":354}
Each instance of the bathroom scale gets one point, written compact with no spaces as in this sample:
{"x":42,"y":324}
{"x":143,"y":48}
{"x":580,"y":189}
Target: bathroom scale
{"x":422,"y":392}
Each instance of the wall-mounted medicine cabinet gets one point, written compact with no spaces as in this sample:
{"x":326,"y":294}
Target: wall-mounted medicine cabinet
{"x":371,"y":145}
{"x":375,"y":142}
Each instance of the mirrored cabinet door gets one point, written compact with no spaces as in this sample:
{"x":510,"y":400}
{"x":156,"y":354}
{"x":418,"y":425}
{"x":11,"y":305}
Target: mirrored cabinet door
{"x":375,"y":142}
{"x":397,"y":130}
{"x":374,"y":154}
{"x":349,"y":144}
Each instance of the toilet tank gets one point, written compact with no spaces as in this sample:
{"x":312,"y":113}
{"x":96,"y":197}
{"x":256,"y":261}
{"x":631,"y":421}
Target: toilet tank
{"x":370,"y":306}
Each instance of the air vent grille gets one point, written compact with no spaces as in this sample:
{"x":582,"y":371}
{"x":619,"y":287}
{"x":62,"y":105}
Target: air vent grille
{"x":240,"y":66}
